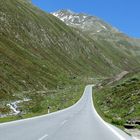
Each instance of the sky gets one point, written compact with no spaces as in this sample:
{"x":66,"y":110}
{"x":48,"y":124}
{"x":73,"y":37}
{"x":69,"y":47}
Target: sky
{"x":122,"y":14}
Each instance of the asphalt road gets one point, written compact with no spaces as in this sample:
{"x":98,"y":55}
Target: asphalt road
{"x":78,"y":122}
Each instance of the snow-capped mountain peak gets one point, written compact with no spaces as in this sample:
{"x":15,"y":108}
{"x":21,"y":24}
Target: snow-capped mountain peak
{"x":92,"y":24}
{"x":69,"y":17}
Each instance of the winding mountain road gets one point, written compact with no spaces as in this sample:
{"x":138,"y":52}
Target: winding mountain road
{"x":78,"y":122}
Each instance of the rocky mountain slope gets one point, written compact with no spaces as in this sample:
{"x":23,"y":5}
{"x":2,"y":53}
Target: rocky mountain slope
{"x":98,"y":29}
{"x":101,"y":32}
{"x":90,"y":24}
{"x":93,"y":25}
{"x":40,"y":52}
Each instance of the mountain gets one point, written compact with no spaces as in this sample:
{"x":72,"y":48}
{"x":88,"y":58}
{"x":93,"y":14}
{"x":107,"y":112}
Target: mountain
{"x":90,"y":24}
{"x":94,"y":27}
{"x":99,"y":31}
{"x":40,"y":52}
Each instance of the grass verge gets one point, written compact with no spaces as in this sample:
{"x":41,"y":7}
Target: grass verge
{"x":119,"y":102}
{"x":56,"y":100}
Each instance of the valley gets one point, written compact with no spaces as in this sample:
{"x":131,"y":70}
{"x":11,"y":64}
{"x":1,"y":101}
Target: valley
{"x":49,"y":58}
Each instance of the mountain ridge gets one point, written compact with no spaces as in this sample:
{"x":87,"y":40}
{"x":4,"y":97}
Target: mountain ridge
{"x":98,"y":30}
{"x":89,"y":23}
{"x":83,"y":20}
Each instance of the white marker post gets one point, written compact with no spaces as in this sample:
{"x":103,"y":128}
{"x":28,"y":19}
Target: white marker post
{"x":48,"y":109}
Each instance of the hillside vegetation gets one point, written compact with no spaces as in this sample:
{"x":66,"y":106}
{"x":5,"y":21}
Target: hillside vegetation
{"x":38,"y":52}
{"x":119,"y":103}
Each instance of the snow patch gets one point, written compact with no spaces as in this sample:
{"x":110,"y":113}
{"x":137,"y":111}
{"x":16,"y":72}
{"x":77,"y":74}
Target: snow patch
{"x":70,"y":17}
{"x":84,"y":17}
{"x":102,"y":26}
{"x":55,"y":14}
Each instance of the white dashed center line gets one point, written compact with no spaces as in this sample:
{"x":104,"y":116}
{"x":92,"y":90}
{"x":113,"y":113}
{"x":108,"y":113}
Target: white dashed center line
{"x":43,"y":137}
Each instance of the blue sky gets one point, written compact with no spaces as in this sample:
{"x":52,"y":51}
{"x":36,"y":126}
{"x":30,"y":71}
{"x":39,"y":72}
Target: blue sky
{"x":123,"y":14}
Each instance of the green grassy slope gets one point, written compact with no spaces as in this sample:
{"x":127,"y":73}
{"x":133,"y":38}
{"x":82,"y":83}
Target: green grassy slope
{"x":37,"y":49}
{"x":120,"y":101}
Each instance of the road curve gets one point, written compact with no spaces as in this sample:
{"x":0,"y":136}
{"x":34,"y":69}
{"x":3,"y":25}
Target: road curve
{"x":78,"y":122}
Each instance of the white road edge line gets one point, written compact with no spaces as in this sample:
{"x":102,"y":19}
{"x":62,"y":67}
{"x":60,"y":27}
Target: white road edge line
{"x":114,"y":131}
{"x":43,"y":137}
